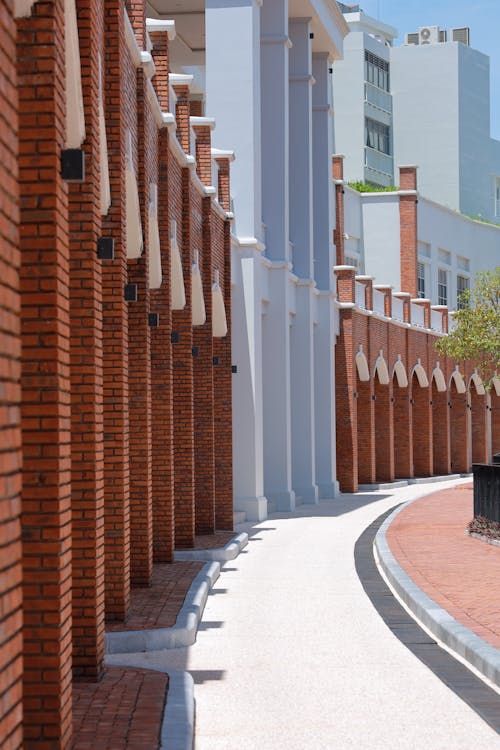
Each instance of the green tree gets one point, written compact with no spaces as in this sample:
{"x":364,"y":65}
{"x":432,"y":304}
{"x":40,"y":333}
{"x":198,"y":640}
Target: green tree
{"x":476,"y":330}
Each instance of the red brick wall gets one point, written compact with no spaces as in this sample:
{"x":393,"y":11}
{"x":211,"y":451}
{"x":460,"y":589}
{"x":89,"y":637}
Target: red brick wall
{"x":10,"y":396}
{"x":87,"y":450}
{"x":45,"y":326}
{"x":115,"y":333}
{"x":408,"y":231}
{"x":479,"y":426}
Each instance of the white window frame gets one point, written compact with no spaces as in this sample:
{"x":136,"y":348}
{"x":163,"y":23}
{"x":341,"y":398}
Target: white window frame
{"x":443,"y":299}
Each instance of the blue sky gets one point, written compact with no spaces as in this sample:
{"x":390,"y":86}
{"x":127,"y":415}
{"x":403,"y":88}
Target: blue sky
{"x":482,"y":17}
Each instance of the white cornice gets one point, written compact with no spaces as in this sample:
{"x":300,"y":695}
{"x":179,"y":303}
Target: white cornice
{"x":219,"y":153}
{"x":247,"y":243}
{"x":157,"y":24}
{"x":277,"y":39}
{"x":180,"y":79}
{"x":198,"y":122}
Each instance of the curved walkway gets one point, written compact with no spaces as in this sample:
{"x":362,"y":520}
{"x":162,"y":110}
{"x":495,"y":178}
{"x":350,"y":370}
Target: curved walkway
{"x":291,"y":652}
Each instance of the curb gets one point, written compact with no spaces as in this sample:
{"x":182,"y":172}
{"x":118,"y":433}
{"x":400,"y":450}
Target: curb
{"x":220,"y":554}
{"x":411,"y":481}
{"x":183,"y":633}
{"x":177,"y":729}
{"x":473,"y":649}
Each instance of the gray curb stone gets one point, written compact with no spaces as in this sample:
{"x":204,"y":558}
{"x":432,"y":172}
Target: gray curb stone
{"x":221,"y":554}
{"x":472,"y":648}
{"x":177,"y":730}
{"x":183,"y":633}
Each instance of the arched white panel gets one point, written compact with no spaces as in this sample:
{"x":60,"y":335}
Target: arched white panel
{"x":459,"y":381}
{"x":75,"y":118}
{"x":198,"y":314}
{"x":134,"y":224}
{"x":362,"y":367}
{"x":478,"y":384}
{"x":219,"y":321}
{"x":103,"y":151}
{"x":381,"y":370}
{"x":155,"y":274}
{"x":438,"y":376}
{"x":421,"y":376}
{"x":495,"y":382}
{"x":22,"y":8}
{"x":400,"y":373}
{"x":177,"y":290}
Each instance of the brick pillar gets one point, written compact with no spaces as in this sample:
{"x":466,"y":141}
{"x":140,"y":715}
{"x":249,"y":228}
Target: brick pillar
{"x":479,"y":426}
{"x":338,"y":232}
{"x":403,"y":432}
{"x":366,"y":432}
{"x":384,"y":433}
{"x":224,"y":184}
{"x":387,"y":292}
{"x":495,"y":421}
{"x":426,"y":304}
{"x":137,"y":16}
{"x":345,"y":276}
{"x":408,"y":229}
{"x":345,"y":412}
{"x":139,"y":342}
{"x":182,"y":114}
{"x":223,"y":412}
{"x":422,"y":429}
{"x":159,"y":40}
{"x":87,"y":451}
{"x":45,"y":326}
{"x":115,"y":334}
{"x":459,"y":431}
{"x":441,"y":457}
{"x":405,"y":298}
{"x":182,"y":356}
{"x":11,"y":666}
{"x":367,"y":282}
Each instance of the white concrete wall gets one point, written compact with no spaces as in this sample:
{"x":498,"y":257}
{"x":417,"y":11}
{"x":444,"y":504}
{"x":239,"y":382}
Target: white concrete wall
{"x":348,"y":105}
{"x":381,"y":239}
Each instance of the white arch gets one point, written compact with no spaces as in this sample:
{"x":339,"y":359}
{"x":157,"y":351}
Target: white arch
{"x":362,"y":367}
{"x":438,"y":377}
{"x":381,"y":370}
{"x":400,"y":373}
{"x":419,"y":371}
{"x":478,"y":383}
{"x":459,"y":381}
{"x":495,"y":382}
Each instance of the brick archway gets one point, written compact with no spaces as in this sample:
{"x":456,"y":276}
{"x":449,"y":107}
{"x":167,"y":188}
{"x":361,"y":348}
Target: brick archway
{"x":384,"y":432}
{"x":402,"y":432}
{"x":459,"y":429}
{"x":421,"y":428}
{"x":366,"y":432}
{"x":441,"y":456}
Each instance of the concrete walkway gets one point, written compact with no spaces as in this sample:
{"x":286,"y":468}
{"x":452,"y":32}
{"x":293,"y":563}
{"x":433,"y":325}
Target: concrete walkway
{"x":292,"y":654}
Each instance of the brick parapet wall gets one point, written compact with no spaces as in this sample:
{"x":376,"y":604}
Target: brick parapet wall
{"x":45,"y":327}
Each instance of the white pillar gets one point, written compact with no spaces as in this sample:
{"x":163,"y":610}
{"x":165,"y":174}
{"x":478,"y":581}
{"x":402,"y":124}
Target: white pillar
{"x":323,"y":199}
{"x":232,"y":40}
{"x":301,"y":196}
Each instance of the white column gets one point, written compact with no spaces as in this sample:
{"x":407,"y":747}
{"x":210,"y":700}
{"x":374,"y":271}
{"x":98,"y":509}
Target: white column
{"x":232,"y":39}
{"x":323,"y":199}
{"x":301,"y":195}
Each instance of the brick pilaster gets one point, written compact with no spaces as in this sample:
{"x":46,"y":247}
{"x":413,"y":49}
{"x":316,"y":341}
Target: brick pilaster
{"x":182,"y":114}
{"x":440,"y":431}
{"x":478,"y":426}
{"x":223,"y":188}
{"x":367,"y":468}
{"x":403,"y":432}
{"x":422,"y":429}
{"x":45,"y":327}
{"x":459,"y":431}
{"x":338,"y":232}
{"x":87,"y":450}
{"x":115,"y":334}
{"x":384,"y":432}
{"x":345,"y":276}
{"x":11,"y":666}
{"x":159,"y":40}
{"x":346,"y":405}
{"x":408,"y":229}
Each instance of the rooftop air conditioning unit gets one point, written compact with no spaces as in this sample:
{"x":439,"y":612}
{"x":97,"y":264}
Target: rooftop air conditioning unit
{"x":428,"y":35}
{"x":461,"y":35}
{"x":411,"y":38}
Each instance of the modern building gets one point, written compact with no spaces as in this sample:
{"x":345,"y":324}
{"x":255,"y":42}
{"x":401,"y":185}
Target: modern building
{"x":426,"y":102}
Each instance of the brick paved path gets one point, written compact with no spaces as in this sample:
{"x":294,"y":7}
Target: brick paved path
{"x":460,"y":573}
{"x":123,"y":711}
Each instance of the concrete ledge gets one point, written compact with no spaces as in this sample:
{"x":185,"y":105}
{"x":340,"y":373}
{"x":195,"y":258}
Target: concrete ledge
{"x":483,"y":657}
{"x":183,"y":633}
{"x":220,"y":554}
{"x":426,"y":480}
{"x":177,"y":730}
{"x":383,"y":485}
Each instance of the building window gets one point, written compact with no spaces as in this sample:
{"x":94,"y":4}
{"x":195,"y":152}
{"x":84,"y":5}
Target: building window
{"x":442,"y":287}
{"x":463,"y":284}
{"x":352,"y":260}
{"x":421,"y":280}
{"x":377,"y":136}
{"x":376,"y":71}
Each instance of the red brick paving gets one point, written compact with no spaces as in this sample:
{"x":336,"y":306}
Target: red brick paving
{"x":123,"y":711}
{"x":213,"y":541}
{"x":460,"y":573}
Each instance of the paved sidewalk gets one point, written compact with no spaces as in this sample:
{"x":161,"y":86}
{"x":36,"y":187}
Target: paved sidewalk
{"x":291,"y":652}
{"x":460,"y":573}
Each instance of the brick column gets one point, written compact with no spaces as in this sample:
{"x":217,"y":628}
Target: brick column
{"x":338,"y":232}
{"x":426,"y":304}
{"x":422,"y":429}
{"x":403,"y":431}
{"x":11,"y":666}
{"x":345,"y":276}
{"x":45,"y":328}
{"x":387,"y":292}
{"x":223,"y":412}
{"x":346,"y":411}
{"x":405,"y":298}
{"x":367,"y":281}
{"x":384,"y":432}
{"x":159,"y":33}
{"x":87,"y":450}
{"x":459,"y":431}
{"x":182,"y":114}
{"x":479,"y":429}
{"x":366,"y":432}
{"x":115,"y":334}
{"x":440,"y":431}
{"x":495,"y":421}
{"x":408,"y":229}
